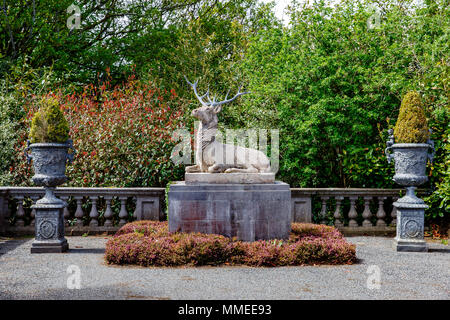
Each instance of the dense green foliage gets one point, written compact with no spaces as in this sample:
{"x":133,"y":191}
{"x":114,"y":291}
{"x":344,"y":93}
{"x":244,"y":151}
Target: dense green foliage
{"x":9,"y":118}
{"x":334,"y":84}
{"x":412,"y":124}
{"x":49,"y":124}
{"x":331,"y":81}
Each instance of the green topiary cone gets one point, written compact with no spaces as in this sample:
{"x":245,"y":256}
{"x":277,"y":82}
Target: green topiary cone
{"x":412,"y":124}
{"x":49,"y":123}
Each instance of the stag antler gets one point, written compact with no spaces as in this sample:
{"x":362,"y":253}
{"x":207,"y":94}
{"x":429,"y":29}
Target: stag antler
{"x":213,"y":102}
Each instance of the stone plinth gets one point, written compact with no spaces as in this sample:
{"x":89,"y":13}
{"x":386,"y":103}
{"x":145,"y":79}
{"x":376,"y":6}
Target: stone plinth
{"x":49,"y":226}
{"x":247,"y":211}
{"x":225,"y":178}
{"x":410,"y":225}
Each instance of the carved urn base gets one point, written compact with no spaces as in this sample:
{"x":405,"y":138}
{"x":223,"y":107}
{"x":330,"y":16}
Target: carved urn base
{"x":410,"y":223}
{"x":49,"y":225}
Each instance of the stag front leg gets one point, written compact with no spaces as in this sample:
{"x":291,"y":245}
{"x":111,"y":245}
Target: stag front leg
{"x":216,"y":168}
{"x":194,"y":168}
{"x":250,"y":169}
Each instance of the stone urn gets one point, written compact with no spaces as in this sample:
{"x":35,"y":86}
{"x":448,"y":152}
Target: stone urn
{"x":410,"y":171}
{"x":49,"y":162}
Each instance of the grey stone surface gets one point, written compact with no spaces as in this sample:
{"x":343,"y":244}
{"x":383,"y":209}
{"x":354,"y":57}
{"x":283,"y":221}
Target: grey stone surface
{"x":3,"y":211}
{"x":301,"y":207}
{"x":410,"y":223}
{"x":410,"y":160}
{"x":49,"y":162}
{"x":245,"y":211}
{"x":49,"y":229}
{"x":410,"y":163}
{"x":45,"y":276}
{"x":224,"y":178}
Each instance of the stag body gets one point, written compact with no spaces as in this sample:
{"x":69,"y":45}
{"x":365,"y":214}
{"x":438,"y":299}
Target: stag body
{"x":211,"y":155}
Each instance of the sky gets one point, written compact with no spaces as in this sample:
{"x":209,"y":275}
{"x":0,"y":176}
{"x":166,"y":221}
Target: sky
{"x":282,"y":4}
{"x":279,"y":8}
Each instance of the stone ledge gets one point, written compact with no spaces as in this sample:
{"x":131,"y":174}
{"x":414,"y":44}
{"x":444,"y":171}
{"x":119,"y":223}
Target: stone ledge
{"x":367,"y":231}
{"x":229,"y":178}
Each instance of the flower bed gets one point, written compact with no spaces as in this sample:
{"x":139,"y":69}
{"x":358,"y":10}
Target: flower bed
{"x":149,"y":243}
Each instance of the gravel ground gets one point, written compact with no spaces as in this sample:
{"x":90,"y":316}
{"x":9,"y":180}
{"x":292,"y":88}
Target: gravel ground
{"x":44,"y":276}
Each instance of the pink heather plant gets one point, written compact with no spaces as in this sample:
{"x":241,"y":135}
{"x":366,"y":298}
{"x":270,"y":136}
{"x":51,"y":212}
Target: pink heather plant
{"x":148,"y":243}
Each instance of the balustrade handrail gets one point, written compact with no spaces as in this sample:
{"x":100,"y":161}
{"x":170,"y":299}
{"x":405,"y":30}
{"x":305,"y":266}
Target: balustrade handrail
{"x":79,"y":190}
{"x":350,"y":191}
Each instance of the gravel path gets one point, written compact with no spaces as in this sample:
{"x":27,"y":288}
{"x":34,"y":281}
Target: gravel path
{"x":44,"y":276}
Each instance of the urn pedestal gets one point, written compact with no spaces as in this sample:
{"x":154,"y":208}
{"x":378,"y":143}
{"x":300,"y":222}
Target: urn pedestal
{"x":49,"y":161}
{"x":410,"y":223}
{"x":49,"y":229}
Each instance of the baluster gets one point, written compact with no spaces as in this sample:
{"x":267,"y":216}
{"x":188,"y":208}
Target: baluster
{"x":337,"y":213}
{"x":20,"y":214}
{"x":394,"y":212}
{"x":66,"y":212}
{"x":79,"y":212}
{"x":33,"y":210}
{"x":108,"y":213}
{"x":352,"y":214}
{"x":135,"y":212}
{"x":366,"y":213}
{"x":94,"y":213}
{"x":123,"y":214}
{"x":323,"y":212}
{"x":380,"y":213}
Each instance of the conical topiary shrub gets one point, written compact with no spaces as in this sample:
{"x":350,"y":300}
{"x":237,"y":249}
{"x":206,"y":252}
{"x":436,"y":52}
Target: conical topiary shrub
{"x":412,"y":124}
{"x":49,"y":124}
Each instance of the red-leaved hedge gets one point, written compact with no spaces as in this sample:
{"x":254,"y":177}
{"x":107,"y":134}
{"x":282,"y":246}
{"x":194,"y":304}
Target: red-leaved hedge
{"x":149,"y":243}
{"x":123,"y":135}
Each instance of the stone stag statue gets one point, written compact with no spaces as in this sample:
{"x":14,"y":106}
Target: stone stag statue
{"x":215,"y":157}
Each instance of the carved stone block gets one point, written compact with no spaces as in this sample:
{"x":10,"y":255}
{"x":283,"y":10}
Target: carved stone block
{"x":148,"y":208}
{"x":301,"y":209}
{"x":247,"y":211}
{"x":410,"y":227}
{"x":49,"y":226}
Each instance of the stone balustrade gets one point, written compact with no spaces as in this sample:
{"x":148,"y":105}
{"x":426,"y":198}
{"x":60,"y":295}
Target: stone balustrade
{"x":91,"y":210}
{"x":99,"y":210}
{"x":352,"y":210}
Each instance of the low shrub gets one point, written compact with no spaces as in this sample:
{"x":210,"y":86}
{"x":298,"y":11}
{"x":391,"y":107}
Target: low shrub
{"x":148,"y":243}
{"x":145,"y":227}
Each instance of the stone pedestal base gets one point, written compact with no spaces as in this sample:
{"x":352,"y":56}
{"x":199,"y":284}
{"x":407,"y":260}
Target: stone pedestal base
{"x":410,"y":245}
{"x":49,"y":226}
{"x":247,"y":211}
{"x":51,"y":246}
{"x":410,"y":224}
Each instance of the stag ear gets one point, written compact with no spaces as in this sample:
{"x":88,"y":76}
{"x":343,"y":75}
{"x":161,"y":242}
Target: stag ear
{"x":217,"y":109}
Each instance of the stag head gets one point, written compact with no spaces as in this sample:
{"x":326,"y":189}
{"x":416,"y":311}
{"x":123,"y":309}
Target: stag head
{"x":207,"y":113}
